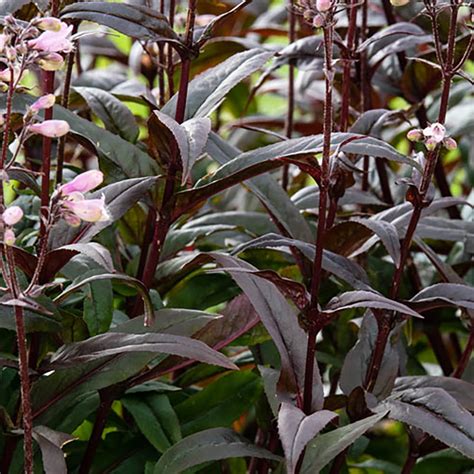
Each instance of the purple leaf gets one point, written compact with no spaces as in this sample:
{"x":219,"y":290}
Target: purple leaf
{"x":50,"y":443}
{"x":296,"y":429}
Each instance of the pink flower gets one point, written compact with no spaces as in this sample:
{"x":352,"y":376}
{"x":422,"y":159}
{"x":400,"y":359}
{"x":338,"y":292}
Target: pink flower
{"x":51,"y":62}
{"x":50,"y":128}
{"x":3,"y":42}
{"x":45,"y":102}
{"x":54,"y":41}
{"x":9,"y":237}
{"x":323,"y":5}
{"x":318,"y":21}
{"x":89,"y":210}
{"x":12,"y":215}
{"x":450,"y":143}
{"x":435,"y":131}
{"x":83,"y":183}
{"x":415,"y":135}
{"x":431,"y":143}
{"x":49,"y":24}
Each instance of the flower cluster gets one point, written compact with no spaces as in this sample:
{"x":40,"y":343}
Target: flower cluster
{"x":73,"y":205}
{"x":41,"y":42}
{"x":432,"y":136}
{"x":11,"y":216}
{"x":314,"y":11}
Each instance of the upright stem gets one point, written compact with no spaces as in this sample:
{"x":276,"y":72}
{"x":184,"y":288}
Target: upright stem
{"x":466,"y":355}
{"x":419,"y":204}
{"x":323,"y":195}
{"x":65,"y":104}
{"x":290,"y":111}
{"x":23,"y":365}
{"x":346,"y":71}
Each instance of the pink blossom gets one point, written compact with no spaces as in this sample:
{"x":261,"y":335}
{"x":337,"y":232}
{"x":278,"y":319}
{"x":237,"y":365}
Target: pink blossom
{"x":83,"y":183}
{"x":49,"y":24}
{"x":72,"y":220}
{"x":12,"y":215}
{"x":318,"y":21}
{"x":54,"y":41}
{"x":50,"y":128}
{"x":435,"y":131}
{"x":415,"y":135}
{"x":3,"y":42}
{"x":450,"y":143}
{"x":51,"y":62}
{"x":89,"y":210}
{"x":9,"y":237}
{"x":323,"y":5}
{"x":45,"y":102}
{"x":431,"y":143}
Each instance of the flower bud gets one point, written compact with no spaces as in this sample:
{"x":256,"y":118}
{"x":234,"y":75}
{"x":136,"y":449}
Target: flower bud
{"x":431,"y":144}
{"x":89,"y":210}
{"x":12,"y":215}
{"x":51,"y":62}
{"x":436,"y":131}
{"x":323,"y":5}
{"x":318,"y":21}
{"x":3,"y":42}
{"x":49,"y":24}
{"x":450,"y":143}
{"x":10,"y":53}
{"x":83,"y":183}
{"x":45,"y":102}
{"x":9,"y":237}
{"x":399,"y":3}
{"x":415,"y":135}
{"x":50,"y":128}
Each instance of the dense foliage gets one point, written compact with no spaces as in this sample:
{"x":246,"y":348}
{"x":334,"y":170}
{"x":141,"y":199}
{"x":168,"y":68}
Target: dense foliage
{"x":236,"y":237}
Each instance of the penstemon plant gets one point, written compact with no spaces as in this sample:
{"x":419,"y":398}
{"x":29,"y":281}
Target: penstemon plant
{"x":236,"y":237}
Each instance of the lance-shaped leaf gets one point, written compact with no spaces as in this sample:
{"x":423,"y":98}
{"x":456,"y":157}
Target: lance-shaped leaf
{"x":387,"y":233}
{"x":367,"y":299}
{"x":136,"y":21}
{"x":296,"y":430}
{"x":208,"y":445}
{"x":255,"y":162}
{"x":324,"y":448}
{"x":281,"y":322}
{"x":209,"y":89}
{"x":441,"y":293}
{"x":357,"y":360}
{"x":110,"y":344}
{"x":338,"y":265}
{"x":188,"y":139}
{"x":435,"y":412}
{"x":116,"y":116}
{"x":126,"y":279}
{"x":267,"y":190}
{"x":461,"y":390}
{"x":96,"y":252}
{"x":118,"y":157}
{"x":50,"y":443}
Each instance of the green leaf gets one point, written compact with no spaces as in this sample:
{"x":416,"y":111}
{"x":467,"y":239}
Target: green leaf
{"x":324,"y":448}
{"x":209,"y":445}
{"x":220,"y":403}
{"x":155,"y":418}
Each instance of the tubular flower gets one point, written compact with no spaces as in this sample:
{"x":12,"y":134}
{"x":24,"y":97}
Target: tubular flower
{"x":54,"y":41}
{"x":9,"y":237}
{"x":49,"y":24}
{"x":50,"y":128}
{"x":323,"y":5}
{"x":88,"y":210}
{"x":51,"y":62}
{"x":83,"y":183}
{"x":45,"y":102}
{"x":12,"y":215}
